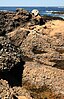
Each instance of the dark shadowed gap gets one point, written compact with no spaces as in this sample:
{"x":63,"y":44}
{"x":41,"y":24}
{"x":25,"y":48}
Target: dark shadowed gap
{"x":42,"y":22}
{"x":14,"y":76}
{"x":1,"y":46}
{"x":59,"y":64}
{"x":36,"y":50}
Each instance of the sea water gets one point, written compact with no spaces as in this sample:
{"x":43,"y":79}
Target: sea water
{"x":43,"y":10}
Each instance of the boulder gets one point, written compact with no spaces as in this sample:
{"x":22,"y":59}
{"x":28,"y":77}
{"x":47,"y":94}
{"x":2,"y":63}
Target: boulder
{"x":21,"y":93}
{"x":40,"y":48}
{"x":4,"y":89}
{"x":5,"y":18}
{"x":9,"y":21}
{"x":18,"y":35}
{"x":37,"y":20}
{"x":39,"y":76}
{"x":35,"y":12}
{"x":20,"y":19}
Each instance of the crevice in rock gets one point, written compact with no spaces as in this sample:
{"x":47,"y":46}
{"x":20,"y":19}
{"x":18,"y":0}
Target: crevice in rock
{"x":59,"y":64}
{"x":14,"y":76}
{"x":14,"y":97}
{"x":42,"y":22}
{"x":60,"y":49}
{"x":35,"y":50}
{"x":1,"y":46}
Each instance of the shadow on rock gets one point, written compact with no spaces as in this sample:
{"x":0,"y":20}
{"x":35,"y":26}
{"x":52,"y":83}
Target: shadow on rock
{"x":14,"y":76}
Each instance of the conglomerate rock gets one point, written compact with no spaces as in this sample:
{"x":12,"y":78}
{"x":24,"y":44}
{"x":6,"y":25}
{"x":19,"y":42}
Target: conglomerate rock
{"x":18,"y":35}
{"x":8,"y":54}
{"x":20,"y":19}
{"x":37,"y":76}
{"x":40,"y":46}
{"x":12,"y":93}
{"x":44,"y":54}
{"x":43,"y":48}
{"x":11,"y":20}
{"x":5,"y":18}
{"x":20,"y":91}
{"x":4,"y":89}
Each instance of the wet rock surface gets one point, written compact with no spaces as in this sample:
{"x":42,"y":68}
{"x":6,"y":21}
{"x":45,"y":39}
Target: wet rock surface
{"x":31,"y":56}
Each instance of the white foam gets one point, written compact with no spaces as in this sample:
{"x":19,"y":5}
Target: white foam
{"x":4,"y":10}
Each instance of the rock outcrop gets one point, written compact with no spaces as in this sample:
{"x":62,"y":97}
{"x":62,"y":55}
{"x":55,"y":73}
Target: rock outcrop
{"x":37,"y":76}
{"x":11,"y":20}
{"x":31,"y":56}
{"x":44,"y":53}
{"x":44,"y":47}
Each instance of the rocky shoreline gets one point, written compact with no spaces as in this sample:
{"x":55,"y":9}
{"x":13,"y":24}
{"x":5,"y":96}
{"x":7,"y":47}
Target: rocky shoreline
{"x":58,"y":12}
{"x":31,"y":56}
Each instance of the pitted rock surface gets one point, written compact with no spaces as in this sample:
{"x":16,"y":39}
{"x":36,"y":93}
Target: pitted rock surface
{"x":43,"y":48}
{"x":25,"y":37}
{"x":12,"y":93}
{"x":8,"y":54}
{"x":38,"y":76}
{"x":9,"y":21}
{"x":18,"y":35}
{"x":4,"y":89}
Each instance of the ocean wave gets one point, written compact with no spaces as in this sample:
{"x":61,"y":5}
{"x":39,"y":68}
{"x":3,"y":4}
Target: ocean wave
{"x":61,"y":7}
{"x":51,"y":11}
{"x":4,"y":10}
